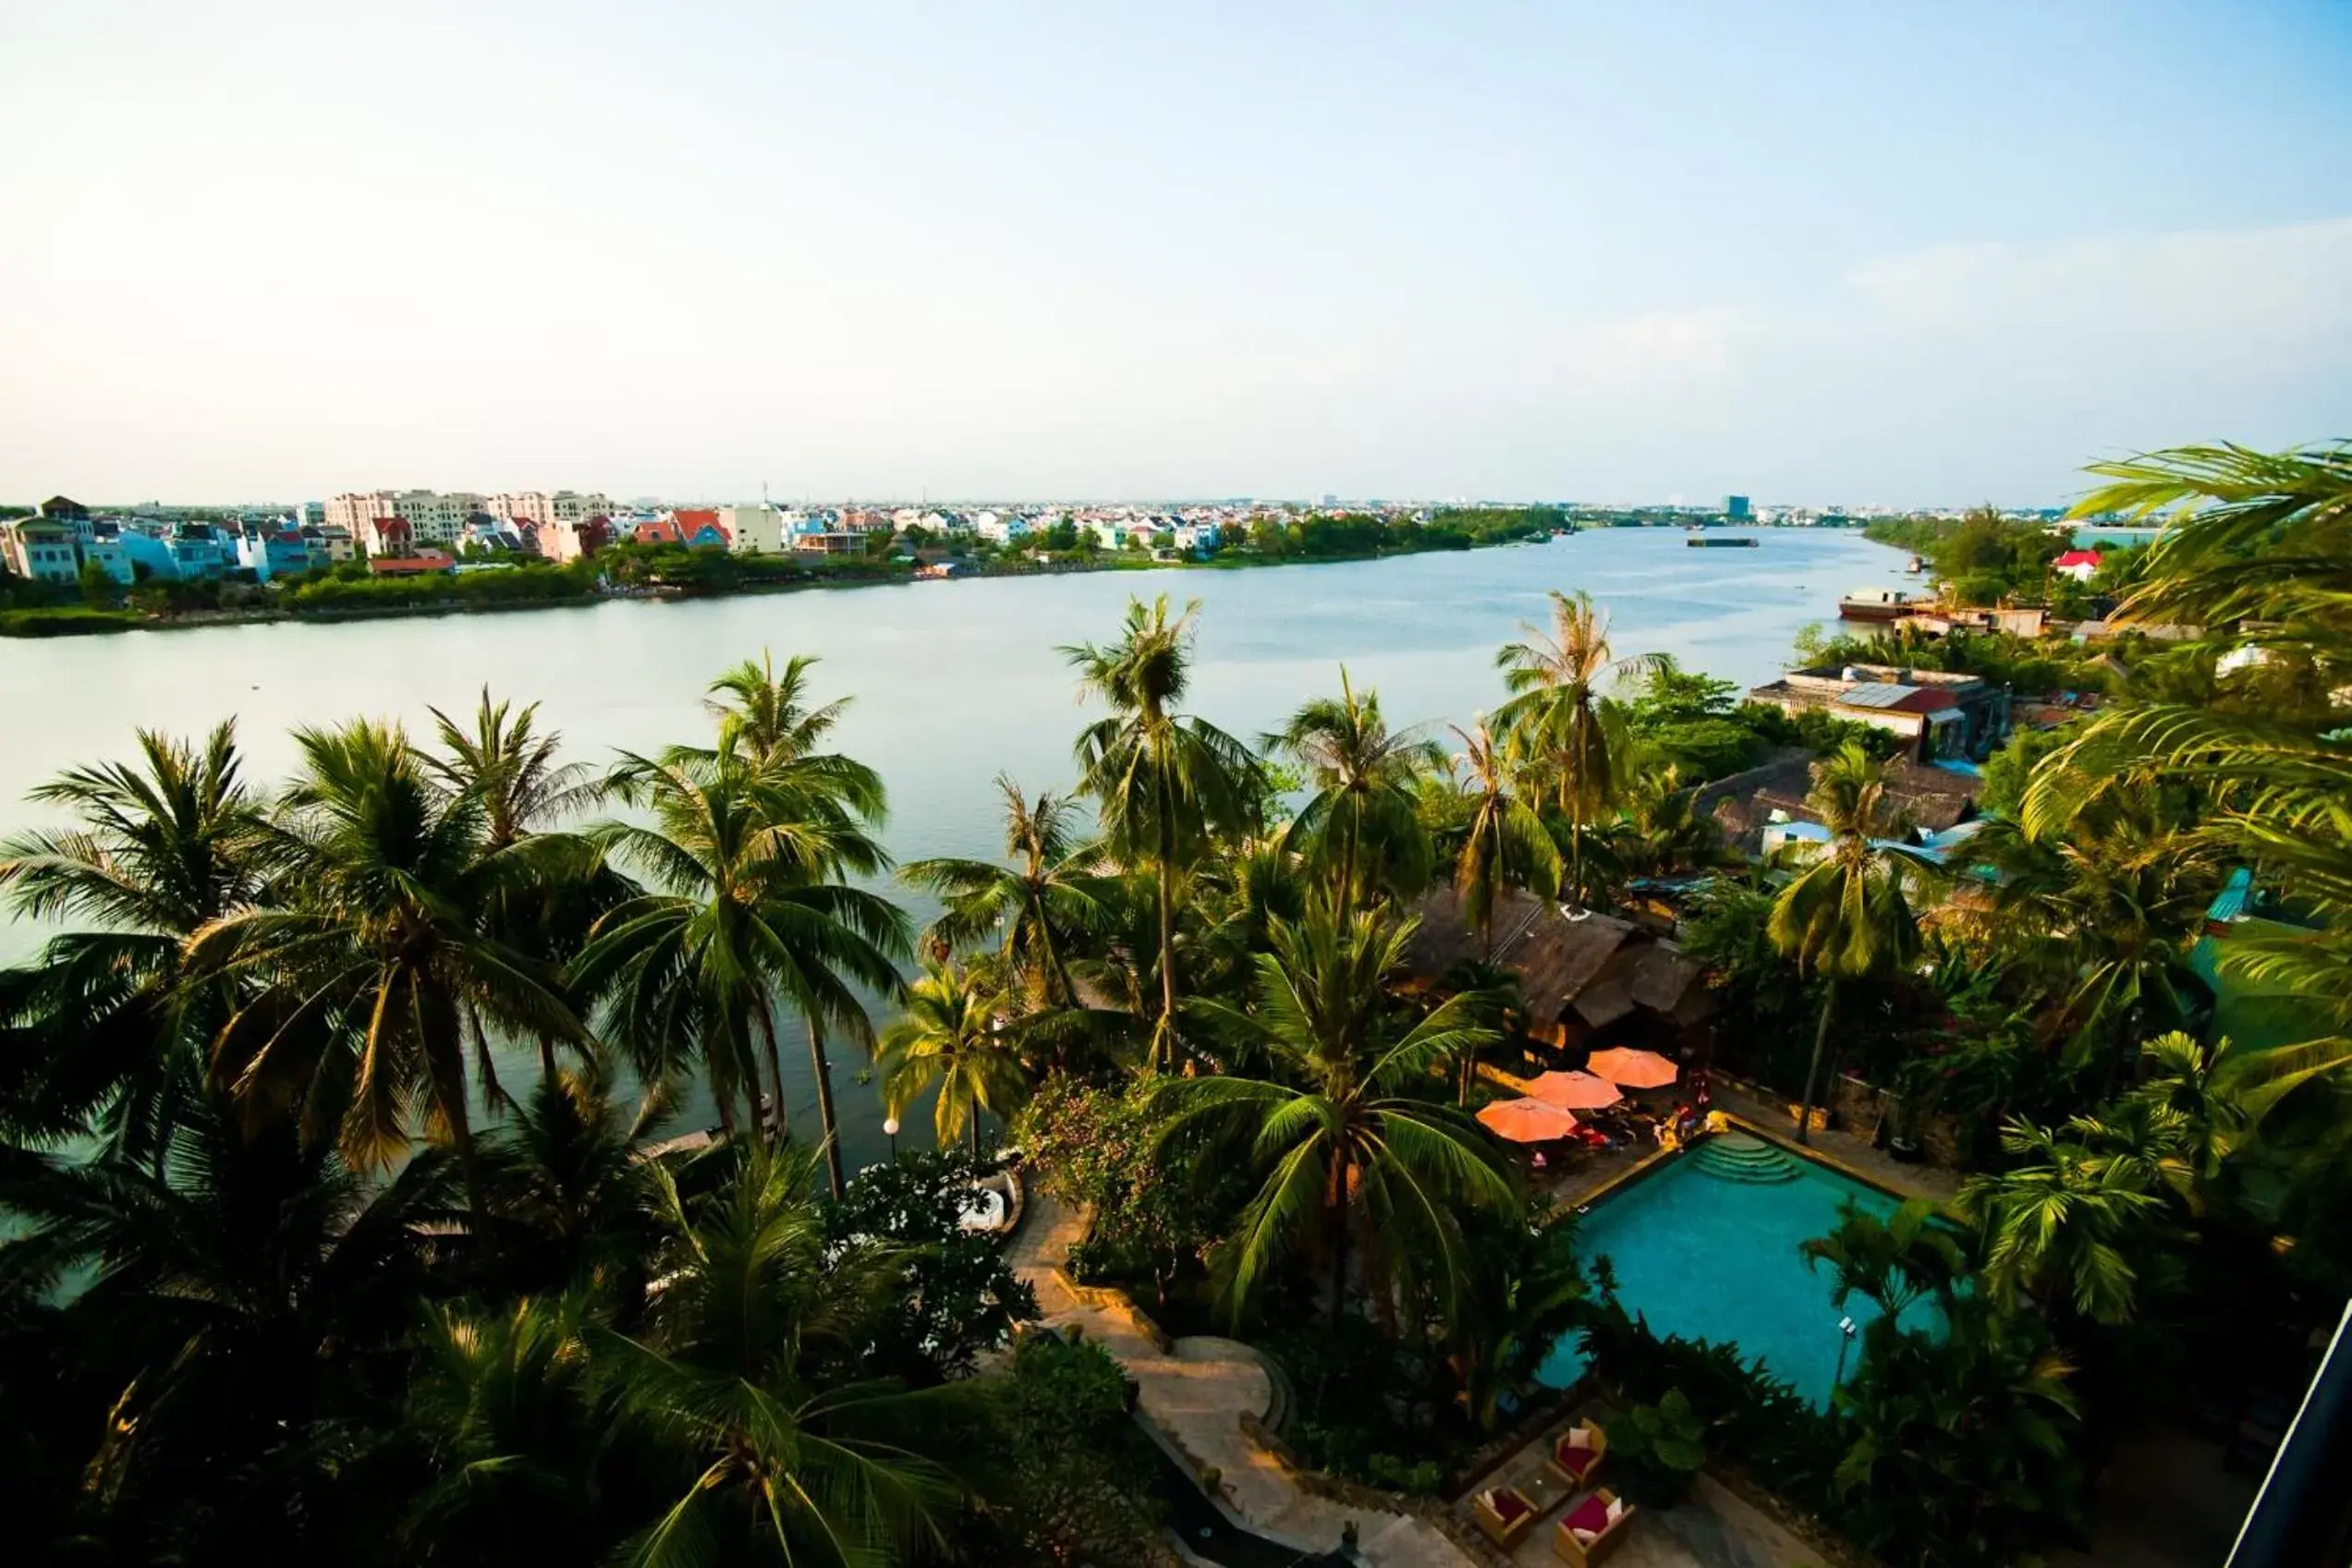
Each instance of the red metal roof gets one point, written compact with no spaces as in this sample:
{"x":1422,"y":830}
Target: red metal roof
{"x":2079,"y":558}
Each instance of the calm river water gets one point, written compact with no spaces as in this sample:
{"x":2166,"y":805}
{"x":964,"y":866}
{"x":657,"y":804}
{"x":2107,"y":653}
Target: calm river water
{"x":953,"y":682}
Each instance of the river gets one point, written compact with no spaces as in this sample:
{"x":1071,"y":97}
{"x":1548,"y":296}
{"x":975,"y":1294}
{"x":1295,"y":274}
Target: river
{"x":953,"y":682}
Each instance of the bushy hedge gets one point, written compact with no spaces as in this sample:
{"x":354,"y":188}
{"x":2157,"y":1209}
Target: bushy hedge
{"x":518,"y":585}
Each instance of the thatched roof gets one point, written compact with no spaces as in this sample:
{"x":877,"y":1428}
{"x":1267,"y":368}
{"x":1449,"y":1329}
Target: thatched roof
{"x":1555,"y":955}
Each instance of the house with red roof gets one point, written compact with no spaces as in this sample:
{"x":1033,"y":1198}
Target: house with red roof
{"x":695,"y":528}
{"x":2077,"y":563}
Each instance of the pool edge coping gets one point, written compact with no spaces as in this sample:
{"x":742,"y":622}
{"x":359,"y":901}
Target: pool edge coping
{"x":1651,"y":1164}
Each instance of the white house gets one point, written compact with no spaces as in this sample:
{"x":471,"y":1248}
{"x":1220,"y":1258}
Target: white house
{"x":753,"y":530}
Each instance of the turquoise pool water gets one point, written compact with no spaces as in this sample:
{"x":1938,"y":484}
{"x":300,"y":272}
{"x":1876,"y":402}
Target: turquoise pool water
{"x":1710,"y":1258}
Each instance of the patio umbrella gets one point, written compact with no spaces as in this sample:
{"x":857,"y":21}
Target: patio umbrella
{"x":1574,"y":1091}
{"x":1527,"y":1121}
{"x":1635,"y":1069}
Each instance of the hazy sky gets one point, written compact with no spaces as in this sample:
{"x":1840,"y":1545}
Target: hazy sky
{"x":1846,"y":253}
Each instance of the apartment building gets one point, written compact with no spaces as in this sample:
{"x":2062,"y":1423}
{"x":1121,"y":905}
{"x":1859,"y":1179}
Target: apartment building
{"x":541,"y":508}
{"x":433,"y":516}
{"x":752,"y":530}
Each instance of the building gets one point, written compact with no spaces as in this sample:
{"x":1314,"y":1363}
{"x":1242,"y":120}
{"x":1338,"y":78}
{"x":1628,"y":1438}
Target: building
{"x":101,"y":540}
{"x":1737,"y":509}
{"x":1589,"y":981}
{"x":330,"y":543}
{"x":565,"y":540}
{"x":1765,"y":807}
{"x":42,"y":550}
{"x":433,"y":516}
{"x":1938,"y":712}
{"x":752,"y":530}
{"x":1005,"y":529}
{"x":2079,"y":564}
{"x":272,"y":551}
{"x":537,"y":506}
{"x":695,"y":528}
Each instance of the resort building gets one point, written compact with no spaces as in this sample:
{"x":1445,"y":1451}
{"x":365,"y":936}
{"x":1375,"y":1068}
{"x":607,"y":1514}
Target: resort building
{"x":1590,"y":980}
{"x":1938,"y":713}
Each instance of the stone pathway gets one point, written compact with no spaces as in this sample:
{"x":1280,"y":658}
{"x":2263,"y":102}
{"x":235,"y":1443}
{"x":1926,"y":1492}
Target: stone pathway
{"x":1195,"y":1395}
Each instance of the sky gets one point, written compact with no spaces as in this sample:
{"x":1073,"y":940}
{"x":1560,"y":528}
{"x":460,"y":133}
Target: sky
{"x":1821,"y":253}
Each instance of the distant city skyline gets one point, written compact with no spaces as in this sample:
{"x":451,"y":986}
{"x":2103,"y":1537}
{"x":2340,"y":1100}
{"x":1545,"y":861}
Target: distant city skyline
{"x":1867,"y":255}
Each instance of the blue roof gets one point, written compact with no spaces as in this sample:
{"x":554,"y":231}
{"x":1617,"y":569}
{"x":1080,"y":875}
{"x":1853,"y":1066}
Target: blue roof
{"x":1875,"y":695}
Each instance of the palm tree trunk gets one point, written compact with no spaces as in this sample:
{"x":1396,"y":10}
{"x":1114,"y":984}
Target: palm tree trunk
{"x":775,"y":1076}
{"x":546,"y":1059}
{"x":1348,"y":865}
{"x":1814,"y":1068}
{"x":1163,"y":1046}
{"x":824,"y":1105}
{"x":975,"y":1115}
{"x":1339,"y":1243}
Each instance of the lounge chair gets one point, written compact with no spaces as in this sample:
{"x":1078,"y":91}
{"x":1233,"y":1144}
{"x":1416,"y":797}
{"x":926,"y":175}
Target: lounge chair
{"x":1576,"y":1454}
{"x":1504,"y":1515}
{"x":1592,"y":1518}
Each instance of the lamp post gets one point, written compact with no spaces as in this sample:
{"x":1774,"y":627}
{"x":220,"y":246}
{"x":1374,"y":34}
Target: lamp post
{"x":1846,"y":1332}
{"x":890,"y":1127}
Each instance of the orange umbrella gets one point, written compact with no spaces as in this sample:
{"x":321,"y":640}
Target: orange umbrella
{"x":1527,"y":1121}
{"x":1574,"y":1091}
{"x":1635,"y":1069}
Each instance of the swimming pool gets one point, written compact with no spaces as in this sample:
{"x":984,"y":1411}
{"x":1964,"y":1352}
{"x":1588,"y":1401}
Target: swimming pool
{"x":1706,"y":1247}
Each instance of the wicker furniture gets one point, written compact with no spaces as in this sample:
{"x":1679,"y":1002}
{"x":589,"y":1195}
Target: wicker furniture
{"x":1591,"y":1515}
{"x":1576,"y":1466}
{"x":1504,"y":1515}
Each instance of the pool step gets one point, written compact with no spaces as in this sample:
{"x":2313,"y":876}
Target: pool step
{"x":1736,"y":1157}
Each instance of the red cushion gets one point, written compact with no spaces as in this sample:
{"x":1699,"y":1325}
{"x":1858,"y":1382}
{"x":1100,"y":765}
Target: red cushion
{"x":1509,"y":1507}
{"x":1575,"y":1461}
{"x":1590,"y":1514}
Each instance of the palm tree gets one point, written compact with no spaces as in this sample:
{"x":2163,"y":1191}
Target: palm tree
{"x":1365,"y":777}
{"x":160,"y":848}
{"x":951,"y":1039}
{"x":525,"y":788}
{"x":518,"y":773}
{"x":1506,"y":844}
{"x":1346,"y":1137}
{"x":750,"y":1373}
{"x":378,"y":971}
{"x":1165,"y":784}
{"x":1044,"y":902}
{"x":2063,"y":1225}
{"x":1894,"y":1261}
{"x":1555,"y":681}
{"x":2114,"y":909}
{"x":247,"y":1290}
{"x":751,"y":911}
{"x":1662,"y":831}
{"x":2260,"y":542}
{"x":570,"y":1191}
{"x":1846,"y":916}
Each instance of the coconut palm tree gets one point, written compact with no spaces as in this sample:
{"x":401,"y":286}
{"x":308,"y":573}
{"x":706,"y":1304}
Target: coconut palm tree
{"x":1662,"y":831}
{"x":242,"y":1294}
{"x":766,"y":718}
{"x":2112,"y":909}
{"x":2259,"y":542}
{"x":378,"y":970}
{"x":1506,"y":844}
{"x":570,"y":1190}
{"x":1362,"y":817}
{"x":1346,"y":1137}
{"x":1557,"y":680}
{"x":159,"y":849}
{"x":525,"y":788}
{"x":515,"y":772}
{"x":1165,"y":784}
{"x":749,"y":1372}
{"x":951,"y":1039}
{"x":1846,"y":916}
{"x":1044,"y":902}
{"x":752,"y":912}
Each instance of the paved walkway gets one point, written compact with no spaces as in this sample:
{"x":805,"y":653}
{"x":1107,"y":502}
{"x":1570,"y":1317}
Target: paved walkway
{"x":1195,"y":1396}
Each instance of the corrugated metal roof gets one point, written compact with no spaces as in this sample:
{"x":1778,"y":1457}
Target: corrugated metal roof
{"x":1873,"y":695}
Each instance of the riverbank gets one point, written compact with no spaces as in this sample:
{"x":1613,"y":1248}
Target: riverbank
{"x":84,"y":621}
